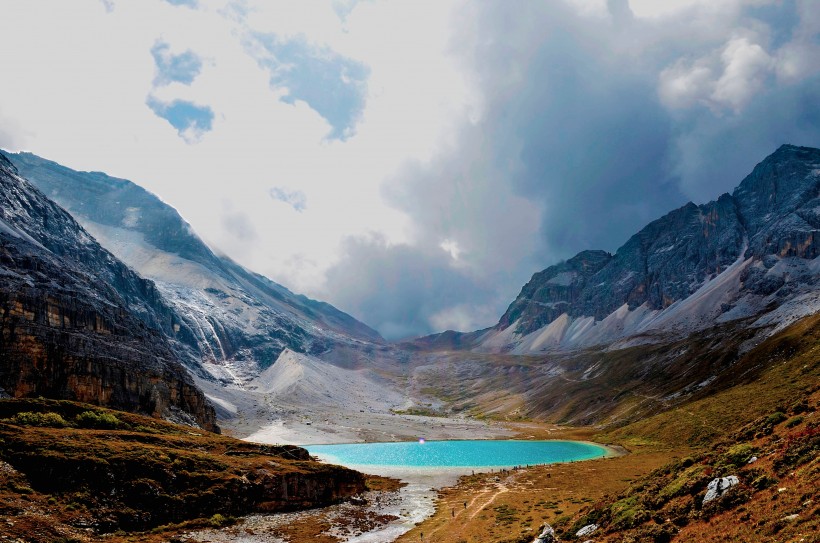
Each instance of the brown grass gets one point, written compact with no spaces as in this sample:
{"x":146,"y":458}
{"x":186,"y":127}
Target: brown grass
{"x":781,"y":374}
{"x":138,"y":474}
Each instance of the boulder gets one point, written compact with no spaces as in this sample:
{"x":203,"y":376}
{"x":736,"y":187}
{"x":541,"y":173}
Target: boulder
{"x":547,"y":535}
{"x":718,"y":487}
{"x":586,"y":530}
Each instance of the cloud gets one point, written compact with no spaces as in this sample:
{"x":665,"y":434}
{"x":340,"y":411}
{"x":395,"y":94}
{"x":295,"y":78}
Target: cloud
{"x":728,"y":79}
{"x":332,"y":85}
{"x":239,"y":225}
{"x":450,"y":149}
{"x":399,"y":288}
{"x":182,"y":68}
{"x":294,"y":198}
{"x":592,"y":123}
{"x":190,"y":120}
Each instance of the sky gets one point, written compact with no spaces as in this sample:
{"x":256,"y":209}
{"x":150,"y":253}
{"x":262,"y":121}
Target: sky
{"x":412,"y":162}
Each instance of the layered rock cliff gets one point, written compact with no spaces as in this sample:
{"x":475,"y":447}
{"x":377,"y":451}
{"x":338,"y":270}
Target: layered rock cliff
{"x":77,"y":323}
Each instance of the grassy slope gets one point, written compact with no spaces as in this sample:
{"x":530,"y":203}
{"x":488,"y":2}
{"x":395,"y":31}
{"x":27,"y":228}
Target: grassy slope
{"x":675,"y":453}
{"x":64,"y":470}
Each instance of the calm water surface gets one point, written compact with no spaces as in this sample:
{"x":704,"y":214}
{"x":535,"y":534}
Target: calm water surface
{"x":463,"y":453}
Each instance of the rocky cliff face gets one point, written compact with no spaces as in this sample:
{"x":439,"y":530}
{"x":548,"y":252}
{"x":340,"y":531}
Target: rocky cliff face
{"x":231,"y":321}
{"x":77,"y":323}
{"x":697,"y":266}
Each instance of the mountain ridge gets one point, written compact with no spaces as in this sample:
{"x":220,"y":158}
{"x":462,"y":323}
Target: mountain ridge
{"x":79,"y":324}
{"x":750,"y":249}
{"x":238,"y":321}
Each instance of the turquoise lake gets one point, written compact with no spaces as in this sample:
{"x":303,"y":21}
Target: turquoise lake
{"x":462,"y":453}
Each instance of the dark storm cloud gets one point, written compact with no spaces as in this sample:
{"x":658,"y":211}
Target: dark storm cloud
{"x":398,"y":288}
{"x":592,"y":126}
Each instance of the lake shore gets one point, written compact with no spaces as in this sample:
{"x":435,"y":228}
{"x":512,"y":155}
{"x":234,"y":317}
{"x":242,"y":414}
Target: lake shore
{"x":393,"y":514}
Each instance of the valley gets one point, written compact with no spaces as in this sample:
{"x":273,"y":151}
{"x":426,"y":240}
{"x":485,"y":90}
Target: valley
{"x":692,"y":345}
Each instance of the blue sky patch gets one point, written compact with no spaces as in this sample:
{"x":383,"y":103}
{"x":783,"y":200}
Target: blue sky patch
{"x":332,"y":85}
{"x":182,"y":68}
{"x":189,"y":3}
{"x":294,"y":198}
{"x":190,"y":120}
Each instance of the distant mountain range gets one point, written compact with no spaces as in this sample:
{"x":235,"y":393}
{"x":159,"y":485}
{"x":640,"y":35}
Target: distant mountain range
{"x":232,"y":322}
{"x":751,"y":254}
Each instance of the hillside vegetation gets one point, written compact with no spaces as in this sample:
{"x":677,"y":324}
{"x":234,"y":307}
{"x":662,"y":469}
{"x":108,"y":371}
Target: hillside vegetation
{"x":765,"y":406}
{"x":71,"y":472}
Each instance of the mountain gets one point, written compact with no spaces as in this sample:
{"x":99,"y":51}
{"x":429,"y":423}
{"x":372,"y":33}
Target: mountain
{"x":752,"y":253}
{"x":79,"y":324}
{"x":233,"y":323}
{"x":677,"y":314}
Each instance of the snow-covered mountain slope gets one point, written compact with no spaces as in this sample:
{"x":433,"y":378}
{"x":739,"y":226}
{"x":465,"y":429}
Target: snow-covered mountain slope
{"x":238,"y":322}
{"x":754,"y":253}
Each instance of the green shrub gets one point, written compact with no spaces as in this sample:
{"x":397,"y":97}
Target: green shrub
{"x":738,"y":455}
{"x":219,"y":520}
{"x":28,"y":418}
{"x":91,"y":419}
{"x":776,"y":418}
{"x":794,"y":421}
{"x":684,"y":483}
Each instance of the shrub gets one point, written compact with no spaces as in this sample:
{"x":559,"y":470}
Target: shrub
{"x":91,"y":419}
{"x":776,"y":418}
{"x":794,"y":421}
{"x":28,"y":418}
{"x":684,"y":483}
{"x":738,"y":455}
{"x":219,"y":520}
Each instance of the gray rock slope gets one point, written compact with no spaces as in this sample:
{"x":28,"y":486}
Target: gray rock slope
{"x":76,"y":323}
{"x":232,"y":321}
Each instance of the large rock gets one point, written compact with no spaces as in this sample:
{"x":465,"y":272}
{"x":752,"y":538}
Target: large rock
{"x":547,"y":536}
{"x":718,"y":487}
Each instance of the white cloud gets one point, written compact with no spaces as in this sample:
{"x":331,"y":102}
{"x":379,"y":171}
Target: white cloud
{"x":80,"y":98}
{"x":746,"y":66}
{"x":725,"y":80}
{"x":484,"y":144}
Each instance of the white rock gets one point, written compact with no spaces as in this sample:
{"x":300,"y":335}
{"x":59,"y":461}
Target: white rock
{"x":752,"y":460}
{"x":586,"y":530}
{"x":718,"y":487}
{"x":547,"y":536}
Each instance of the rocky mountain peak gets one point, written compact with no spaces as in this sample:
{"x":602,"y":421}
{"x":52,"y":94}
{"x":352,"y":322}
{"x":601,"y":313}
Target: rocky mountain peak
{"x":746,"y":238}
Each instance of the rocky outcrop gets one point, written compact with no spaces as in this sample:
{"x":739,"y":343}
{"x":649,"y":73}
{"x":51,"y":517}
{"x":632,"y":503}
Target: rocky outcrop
{"x":718,"y":487}
{"x":136,"y":473}
{"x":547,"y":535}
{"x":772,"y":218}
{"x":589,"y":529}
{"x":77,"y":323}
